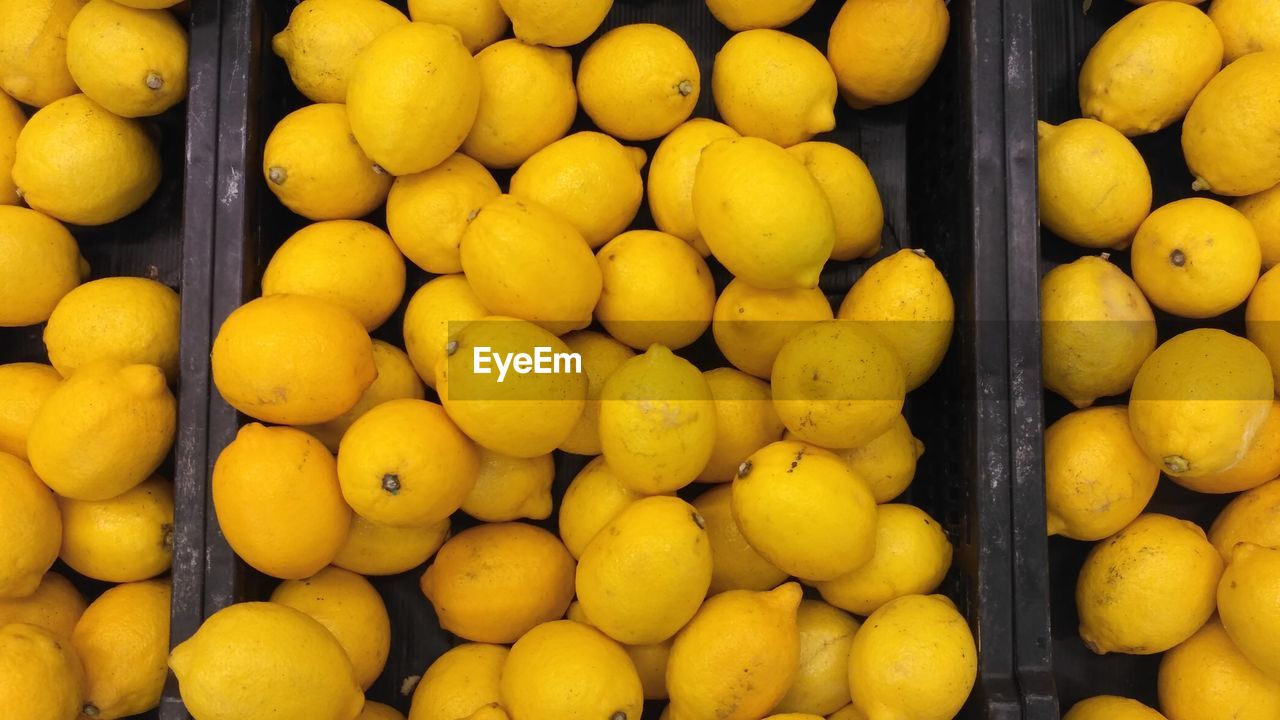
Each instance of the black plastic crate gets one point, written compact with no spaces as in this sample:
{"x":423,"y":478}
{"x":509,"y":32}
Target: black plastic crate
{"x":938,"y":162}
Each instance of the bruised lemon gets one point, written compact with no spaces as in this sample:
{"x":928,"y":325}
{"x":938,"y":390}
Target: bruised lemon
{"x":775,"y":86}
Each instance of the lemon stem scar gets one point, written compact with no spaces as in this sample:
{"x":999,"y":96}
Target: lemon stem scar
{"x":89,"y":710}
{"x":168,"y":535}
{"x":1200,"y":185}
{"x":1178,"y":258}
{"x":697,"y":520}
{"x":744,"y":469}
{"x":277,"y":175}
{"x":618,"y":716}
{"x":1176,"y":463}
{"x":685,"y":87}
{"x":154,"y":81}
{"x":920,"y":252}
{"x":391,"y":483}
{"x":378,"y":169}
{"x":451,"y":348}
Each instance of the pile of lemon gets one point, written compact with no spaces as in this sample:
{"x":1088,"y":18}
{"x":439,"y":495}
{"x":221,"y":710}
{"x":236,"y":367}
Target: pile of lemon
{"x":82,"y":437}
{"x":1201,"y":406}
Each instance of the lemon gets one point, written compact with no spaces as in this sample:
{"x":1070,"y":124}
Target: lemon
{"x":912,"y":556}
{"x":566,"y":670}
{"x":1146,"y":69}
{"x":1248,"y":519}
{"x":510,"y":488}
{"x":33,"y":49}
{"x":650,"y":660}
{"x":1246,"y":26}
{"x":848,"y":712}
{"x":593,"y":499}
{"x":56,"y":605}
{"x":1111,"y":707}
{"x":480,"y":22}
{"x":601,"y":357}
{"x":907,"y":301}
{"x":427,"y":212}
{"x":657,"y":422}
{"x":396,"y":380}
{"x":1095,"y":189}
{"x":23,"y":389}
{"x":1263,"y":211}
{"x":292,"y":359}
{"x":374,"y":549}
{"x":149,"y":4}
{"x":736,"y":659}
{"x":125,"y":539}
{"x":638,"y":82}
{"x":313,"y":165}
{"x":103,"y":431}
{"x":838,"y":384}
{"x":887,"y":463}
{"x":11,"y":121}
{"x":853,"y":196}
{"x":656,"y":290}
{"x":131,"y":61}
{"x":587,"y":178}
{"x":1206,"y":678}
{"x":883,"y":52}
{"x":524,"y":261}
{"x":41,"y":264}
{"x":738,"y":15}
{"x":1199,"y":401}
{"x":438,"y":308}
{"x":1246,"y":602}
{"x":1262,"y":321}
{"x":646,"y":573}
{"x":377,"y":711}
{"x":745,"y":421}
{"x":822,"y":680}
{"x":735,"y":564}
{"x":1260,"y":464}
{"x":31,"y":531}
{"x":1096,"y":330}
{"x":558,"y":23}
{"x":412,"y":97}
{"x":671,"y":174}
{"x":1227,"y":138}
{"x":40,"y":675}
{"x":527,"y":102}
{"x":772,"y":85}
{"x":323,"y":39}
{"x":525,"y":414}
{"x":123,"y":641}
{"x":277,"y":500}
{"x":67,"y":149}
{"x":460,"y":681}
{"x":492,"y":711}
{"x":762,"y":214}
{"x":125,"y":320}
{"x":751,"y":324}
{"x":1148,"y":588}
{"x":258,"y":657}
{"x":496,"y":582}
{"x":350,"y":608}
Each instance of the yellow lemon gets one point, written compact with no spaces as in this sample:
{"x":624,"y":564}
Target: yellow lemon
{"x":670,"y":181}
{"x":822,"y":680}
{"x":23,"y":389}
{"x":524,"y":261}
{"x":42,"y":263}
{"x":775,"y":86}
{"x":260,"y":657}
{"x":123,"y":641}
{"x":853,"y":196}
{"x":646,"y":573}
{"x":1145,"y":70}
{"x":883,"y":52}
{"x":1262,"y":319}
{"x":350,"y":608}
{"x":1247,"y":598}
{"x":887,"y":463}
{"x":459,"y":682}
{"x":315,"y":168}
{"x":565,"y":670}
{"x":735,"y":564}
{"x":1227,"y":137}
{"x":527,"y":102}
{"x":131,"y":61}
{"x":276,"y":496}
{"x":1263,"y":211}
{"x":396,"y":380}
{"x":657,"y":422}
{"x":40,"y":675}
{"x":736,"y":659}
{"x":558,"y":23}
{"x":1246,"y":26}
{"x":56,"y":605}
{"x":103,"y":431}
{"x":1148,"y":588}
{"x":1260,"y":464}
{"x":150,"y":4}
{"x":762,"y":214}
{"x":1096,"y":330}
{"x":323,"y":38}
{"x":523,"y":414}
{"x":125,"y":539}
{"x":838,"y":384}
{"x":496,"y":582}
{"x":588,"y":179}
{"x":601,"y":357}
{"x":751,"y":324}
{"x":650,"y":660}
{"x":656,"y":290}
{"x":848,"y":712}
{"x":738,"y":15}
{"x":1248,"y":518}
{"x":593,"y":499}
{"x":11,"y":121}
{"x":292,"y":359}
{"x":1206,"y":678}
{"x":413,"y":96}
{"x":377,"y":711}
{"x":33,"y":49}
{"x":120,"y":319}
{"x":438,"y":308}
{"x":805,"y":511}
{"x":1097,"y":479}
{"x":492,"y":711}
{"x":1095,"y":189}
{"x":907,"y":301}
{"x":638,"y":82}
{"x":480,"y":22}
{"x":31,"y":531}
{"x":374,"y":549}
{"x":67,"y":149}
{"x":510,"y":488}
{"x":1111,"y":707}
{"x":745,"y":421}
{"x":427,"y":212}
{"x":1199,"y":401}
